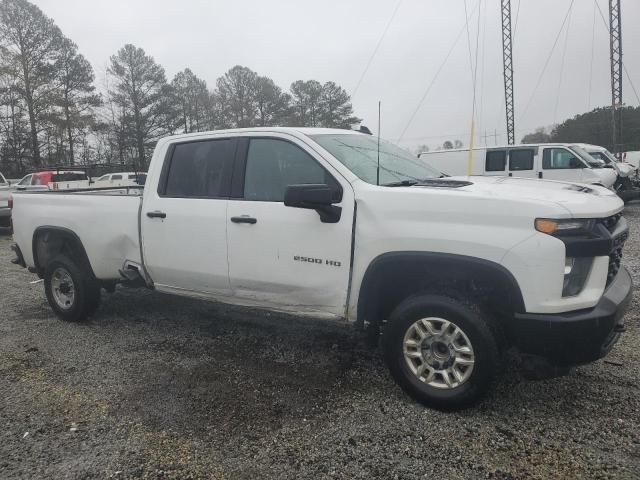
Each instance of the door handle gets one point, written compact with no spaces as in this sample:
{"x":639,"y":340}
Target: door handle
{"x":244,"y":219}
{"x":156,"y":214}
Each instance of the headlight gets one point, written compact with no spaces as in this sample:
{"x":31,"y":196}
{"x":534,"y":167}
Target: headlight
{"x":576,"y":271}
{"x":571,"y":226}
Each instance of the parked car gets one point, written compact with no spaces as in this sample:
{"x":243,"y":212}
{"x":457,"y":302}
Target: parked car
{"x":625,"y":170}
{"x":558,"y":161}
{"x":122,"y":179}
{"x":632,"y":158}
{"x":51,"y":179}
{"x":445,"y":272}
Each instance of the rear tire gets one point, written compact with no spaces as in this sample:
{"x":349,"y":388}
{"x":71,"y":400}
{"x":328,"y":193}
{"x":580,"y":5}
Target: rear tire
{"x":71,"y":289}
{"x":441,"y":351}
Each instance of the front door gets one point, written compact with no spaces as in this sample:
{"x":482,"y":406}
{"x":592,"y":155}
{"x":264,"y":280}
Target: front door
{"x":559,"y":163}
{"x":184,"y":222}
{"x":286,"y":257}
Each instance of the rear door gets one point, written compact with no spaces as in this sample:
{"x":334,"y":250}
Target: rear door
{"x":559,"y":163}
{"x":280,"y":256}
{"x":522,"y":163}
{"x":184,"y":221}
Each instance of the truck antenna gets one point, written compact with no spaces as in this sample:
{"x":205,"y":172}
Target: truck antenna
{"x":378,"y":169}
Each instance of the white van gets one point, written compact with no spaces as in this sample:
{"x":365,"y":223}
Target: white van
{"x":551,"y":161}
{"x":632,"y":158}
{"x":623,"y":168}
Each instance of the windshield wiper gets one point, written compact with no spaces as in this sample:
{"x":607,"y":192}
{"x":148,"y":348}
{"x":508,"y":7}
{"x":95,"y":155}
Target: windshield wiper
{"x":401,"y":183}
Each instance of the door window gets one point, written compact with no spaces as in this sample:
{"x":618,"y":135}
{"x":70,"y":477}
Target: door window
{"x":116,"y":177}
{"x":273,"y":165}
{"x":559,"y":158}
{"x":198,"y":169}
{"x":37,"y":181}
{"x":496,"y":161}
{"x":521,"y":160}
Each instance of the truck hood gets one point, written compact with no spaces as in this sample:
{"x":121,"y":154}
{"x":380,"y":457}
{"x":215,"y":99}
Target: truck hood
{"x":579,"y":200}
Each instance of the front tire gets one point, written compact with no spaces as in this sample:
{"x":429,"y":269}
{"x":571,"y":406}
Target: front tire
{"x":441,"y":351}
{"x":72,"y":291}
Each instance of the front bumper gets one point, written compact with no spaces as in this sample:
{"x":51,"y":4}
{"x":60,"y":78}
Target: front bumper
{"x":575,"y":337}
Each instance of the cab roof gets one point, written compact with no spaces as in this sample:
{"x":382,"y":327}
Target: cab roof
{"x":307,"y":131}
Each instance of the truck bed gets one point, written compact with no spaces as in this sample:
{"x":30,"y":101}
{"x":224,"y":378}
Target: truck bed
{"x":105,"y":220}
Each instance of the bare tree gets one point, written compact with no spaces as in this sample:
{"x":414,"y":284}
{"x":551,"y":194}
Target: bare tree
{"x":29,"y":47}
{"x":144,"y":98}
{"x":77,"y":96}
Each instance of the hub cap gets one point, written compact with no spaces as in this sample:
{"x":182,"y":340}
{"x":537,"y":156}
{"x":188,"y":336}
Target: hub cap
{"x":63,"y":289}
{"x":438,"y":352}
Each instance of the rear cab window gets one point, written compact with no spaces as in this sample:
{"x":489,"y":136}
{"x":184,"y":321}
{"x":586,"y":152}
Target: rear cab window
{"x":198,"y":169}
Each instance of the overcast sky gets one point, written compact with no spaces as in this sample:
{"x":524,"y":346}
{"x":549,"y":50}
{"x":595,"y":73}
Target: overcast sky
{"x":326,"y":40}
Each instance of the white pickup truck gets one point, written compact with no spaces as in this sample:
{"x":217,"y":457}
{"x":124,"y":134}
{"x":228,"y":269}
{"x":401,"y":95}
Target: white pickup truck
{"x":446,"y":272}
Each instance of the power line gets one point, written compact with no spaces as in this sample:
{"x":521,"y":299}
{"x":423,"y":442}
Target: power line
{"x":384,"y":33}
{"x":515,"y":25}
{"x":593,"y":36}
{"x":546,"y":63}
{"x":564,"y":52}
{"x":435,"y":77}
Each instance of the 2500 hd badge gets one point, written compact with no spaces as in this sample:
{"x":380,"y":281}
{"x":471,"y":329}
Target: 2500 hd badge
{"x":319,"y":261}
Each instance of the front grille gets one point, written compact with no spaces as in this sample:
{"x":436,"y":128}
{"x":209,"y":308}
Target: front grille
{"x":615,"y":257}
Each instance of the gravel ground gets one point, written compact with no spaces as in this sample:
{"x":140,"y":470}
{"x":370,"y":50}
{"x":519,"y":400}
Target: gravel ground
{"x":163,"y":387}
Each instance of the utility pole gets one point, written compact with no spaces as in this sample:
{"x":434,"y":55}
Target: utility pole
{"x":615,"y":47}
{"x":507,"y":63}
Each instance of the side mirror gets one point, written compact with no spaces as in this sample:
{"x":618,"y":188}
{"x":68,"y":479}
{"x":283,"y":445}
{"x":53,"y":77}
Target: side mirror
{"x":21,"y":187}
{"x":318,"y":197}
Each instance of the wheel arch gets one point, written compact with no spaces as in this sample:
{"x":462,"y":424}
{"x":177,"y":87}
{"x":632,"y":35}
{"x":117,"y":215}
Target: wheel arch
{"x":48,"y":241}
{"x":392,"y":277}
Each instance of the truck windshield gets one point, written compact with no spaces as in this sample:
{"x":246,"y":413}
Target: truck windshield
{"x":582,"y":153}
{"x":359,"y":153}
{"x":605,"y":156}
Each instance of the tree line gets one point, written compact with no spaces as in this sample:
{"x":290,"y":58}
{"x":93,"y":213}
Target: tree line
{"x":53,"y":113}
{"x":593,"y":127}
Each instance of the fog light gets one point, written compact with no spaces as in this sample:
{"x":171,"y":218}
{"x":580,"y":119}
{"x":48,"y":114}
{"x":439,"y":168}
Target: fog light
{"x":576,"y":272}
{"x":568,"y":265}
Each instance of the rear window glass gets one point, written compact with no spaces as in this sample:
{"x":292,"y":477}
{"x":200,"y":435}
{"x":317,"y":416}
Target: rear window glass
{"x":521,"y":160}
{"x":199,"y":169}
{"x":496,"y":161}
{"x":67,"y":177}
